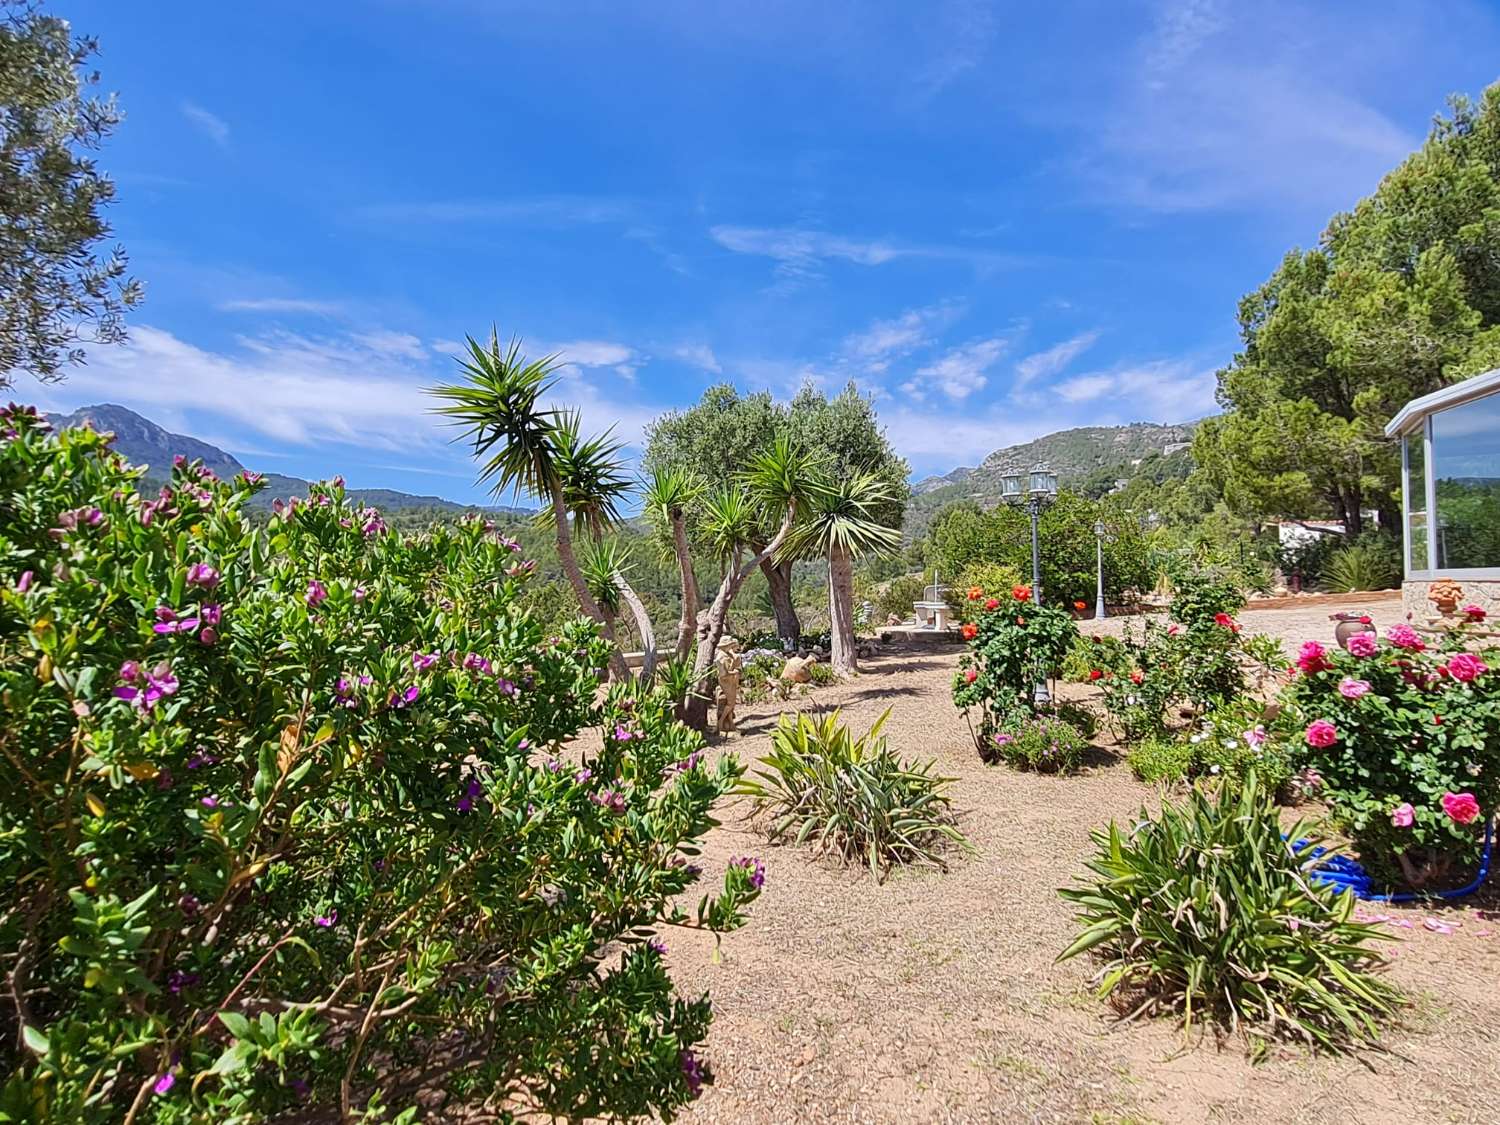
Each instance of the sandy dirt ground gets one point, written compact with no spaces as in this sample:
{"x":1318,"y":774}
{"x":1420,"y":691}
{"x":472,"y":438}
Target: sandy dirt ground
{"x":935,"y":997}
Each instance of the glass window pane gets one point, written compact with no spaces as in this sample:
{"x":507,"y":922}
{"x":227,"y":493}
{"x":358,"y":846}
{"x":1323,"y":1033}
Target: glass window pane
{"x":1416,"y":501}
{"x":1466,"y":470}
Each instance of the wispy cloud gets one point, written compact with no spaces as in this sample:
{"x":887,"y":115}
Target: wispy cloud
{"x":211,"y":125}
{"x":1165,"y":390}
{"x":1045,"y":364}
{"x":873,"y":350}
{"x":961,"y":371}
{"x":282,"y":305}
{"x":700,"y":356}
{"x":555,"y":210}
{"x":799,"y":253}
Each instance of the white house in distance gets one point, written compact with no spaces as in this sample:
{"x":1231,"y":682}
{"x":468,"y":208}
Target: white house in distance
{"x":1450,"y":494}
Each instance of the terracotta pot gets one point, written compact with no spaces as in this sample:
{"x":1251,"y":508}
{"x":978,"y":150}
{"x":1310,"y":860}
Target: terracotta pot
{"x":1350,"y":627}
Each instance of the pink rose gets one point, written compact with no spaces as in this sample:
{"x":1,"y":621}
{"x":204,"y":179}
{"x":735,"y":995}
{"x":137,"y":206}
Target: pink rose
{"x":1403,"y":815}
{"x":1404,"y":636}
{"x":1320,"y":732}
{"x":1466,"y":667}
{"x":1474,"y":612}
{"x":1461,"y":808}
{"x":1351,"y":688}
{"x":1311,"y":658}
{"x":1363,"y":645}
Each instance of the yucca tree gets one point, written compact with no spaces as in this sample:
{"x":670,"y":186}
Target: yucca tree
{"x":670,"y":495}
{"x":775,"y":483}
{"x":515,"y":438}
{"x":842,"y":521}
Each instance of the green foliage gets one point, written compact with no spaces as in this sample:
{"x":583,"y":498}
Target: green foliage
{"x":852,"y":797}
{"x":899,"y":595}
{"x":963,"y":536}
{"x":1013,"y":643}
{"x":993,"y":580}
{"x":1409,"y":726}
{"x":1372,"y":562}
{"x":57,"y":288}
{"x":1045,"y":744}
{"x":1089,"y":654}
{"x":1161,"y":760}
{"x":1206,"y":912}
{"x":1400,"y":298}
{"x":288,"y":804}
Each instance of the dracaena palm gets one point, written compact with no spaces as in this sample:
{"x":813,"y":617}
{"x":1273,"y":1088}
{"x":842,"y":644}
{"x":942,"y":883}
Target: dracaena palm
{"x":498,"y":406}
{"x":842,"y":520}
{"x":670,"y":495}
{"x":593,"y":478}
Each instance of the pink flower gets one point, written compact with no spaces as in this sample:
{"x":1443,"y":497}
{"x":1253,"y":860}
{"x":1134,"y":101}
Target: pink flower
{"x":1002,"y":739}
{"x":1404,"y":636}
{"x":24,"y":582}
{"x":1466,"y":667}
{"x":1403,"y":815}
{"x":1474,"y":612}
{"x":1311,"y":658}
{"x":1461,"y":808}
{"x":970,"y":675}
{"x":201,"y":574}
{"x":1363,"y":645}
{"x":1320,"y":732}
{"x":1351,"y":688}
{"x":316,"y":593}
{"x":421,"y":661}
{"x":326,"y":920}
{"x":1227,"y":622}
{"x":164,"y":1083}
{"x":1255,"y":737}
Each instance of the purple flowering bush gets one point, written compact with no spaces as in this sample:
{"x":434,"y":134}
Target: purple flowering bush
{"x":1401,"y":737}
{"x":292,"y":826}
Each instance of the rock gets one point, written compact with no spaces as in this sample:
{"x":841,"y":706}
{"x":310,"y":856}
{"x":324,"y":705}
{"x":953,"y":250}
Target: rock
{"x":798,"y":670}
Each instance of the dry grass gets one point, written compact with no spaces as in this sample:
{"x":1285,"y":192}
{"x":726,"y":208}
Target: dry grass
{"x":935,"y":997}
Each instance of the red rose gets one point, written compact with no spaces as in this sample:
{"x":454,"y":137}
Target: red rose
{"x":1094,"y":673}
{"x":992,"y":603}
{"x":969,"y":631}
{"x":1136,"y":675}
{"x":970,"y":676}
{"x":1021,"y":593}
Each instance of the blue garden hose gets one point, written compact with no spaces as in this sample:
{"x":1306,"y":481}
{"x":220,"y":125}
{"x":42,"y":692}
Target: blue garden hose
{"x":1342,"y":873}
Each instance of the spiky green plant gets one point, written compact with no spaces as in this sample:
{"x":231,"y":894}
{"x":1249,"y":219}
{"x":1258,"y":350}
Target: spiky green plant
{"x":605,"y":562}
{"x":852,"y":797}
{"x":1207,"y":912}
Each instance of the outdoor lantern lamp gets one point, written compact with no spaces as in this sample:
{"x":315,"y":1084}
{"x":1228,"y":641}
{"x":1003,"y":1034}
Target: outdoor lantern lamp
{"x":1043,"y":491}
{"x":1101,"y":533}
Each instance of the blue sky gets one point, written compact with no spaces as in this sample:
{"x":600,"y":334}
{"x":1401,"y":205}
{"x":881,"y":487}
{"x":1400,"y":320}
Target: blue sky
{"x":999,"y":223}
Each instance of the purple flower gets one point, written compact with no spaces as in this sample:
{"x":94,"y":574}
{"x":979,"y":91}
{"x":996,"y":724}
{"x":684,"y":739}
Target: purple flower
{"x":553,"y":765}
{"x":476,"y":663}
{"x":422,"y":661}
{"x":188,"y":904}
{"x":209,"y":636}
{"x":179,"y":461}
{"x":316,"y":593}
{"x":373,"y":526}
{"x":250,"y":478}
{"x":177,"y":980}
{"x":167,"y":622}
{"x":338,"y":482}
{"x":756,"y":867}
{"x":659,"y":946}
{"x":583,"y":775}
{"x":164,"y":1083}
{"x":473,"y":790}
{"x":406,"y":698}
{"x":24,"y":582}
{"x":359,"y":593}
{"x":692,"y":1072}
{"x":210,"y":802}
{"x":505,"y":686}
{"x":145,"y":690}
{"x":201,"y":574}
{"x":200,"y":759}
{"x":210,"y":614}
{"x":326,"y":920}
{"x":130,"y":671}
{"x":686,"y":764}
{"x":609,"y":799}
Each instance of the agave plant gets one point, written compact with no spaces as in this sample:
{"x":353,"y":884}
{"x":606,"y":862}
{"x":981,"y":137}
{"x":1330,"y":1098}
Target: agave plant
{"x":1208,"y":912}
{"x":852,"y":797}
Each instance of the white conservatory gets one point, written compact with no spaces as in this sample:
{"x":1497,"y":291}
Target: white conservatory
{"x":1450,"y":492}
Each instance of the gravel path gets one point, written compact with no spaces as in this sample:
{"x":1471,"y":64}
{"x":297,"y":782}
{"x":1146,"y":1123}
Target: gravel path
{"x":935,"y":997}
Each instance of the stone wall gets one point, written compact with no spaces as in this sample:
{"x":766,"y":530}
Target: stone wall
{"x":1481,"y":592}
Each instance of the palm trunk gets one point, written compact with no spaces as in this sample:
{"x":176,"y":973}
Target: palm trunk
{"x":642,"y":625}
{"x":842,"y":652}
{"x":711,"y":623}
{"x":779,"y":579}
{"x":586,"y":602}
{"x":687,"y":623}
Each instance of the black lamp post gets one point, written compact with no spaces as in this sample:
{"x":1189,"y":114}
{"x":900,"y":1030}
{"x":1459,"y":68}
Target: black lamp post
{"x":1042,"y":491}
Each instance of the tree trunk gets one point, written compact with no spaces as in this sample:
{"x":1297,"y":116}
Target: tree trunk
{"x":586,"y":602}
{"x":779,"y":579}
{"x":711,"y":623}
{"x":687,"y":624}
{"x":842,"y":653}
{"x":642,"y":626}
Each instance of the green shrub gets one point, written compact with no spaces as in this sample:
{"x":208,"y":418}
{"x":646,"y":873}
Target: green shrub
{"x":822,"y":675}
{"x":1404,"y":744}
{"x":1013,"y":643}
{"x":1161,"y":761}
{"x":1371,"y":562}
{"x":1089,"y":653}
{"x":993,"y":580}
{"x":852,"y":797}
{"x":899,"y":595}
{"x":760,"y":679}
{"x":1207,"y":913}
{"x":1046,"y":745}
{"x":286,"y":815}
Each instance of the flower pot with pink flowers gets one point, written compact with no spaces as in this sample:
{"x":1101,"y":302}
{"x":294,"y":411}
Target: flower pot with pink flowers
{"x":1403,"y":736}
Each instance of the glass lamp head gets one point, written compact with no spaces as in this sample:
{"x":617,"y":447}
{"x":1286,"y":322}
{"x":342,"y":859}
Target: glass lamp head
{"x":1043,"y":482}
{"x":1010,"y":486}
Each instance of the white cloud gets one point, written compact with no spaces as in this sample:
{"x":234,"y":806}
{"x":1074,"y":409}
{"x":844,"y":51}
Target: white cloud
{"x":214,"y":127}
{"x":282,"y":305}
{"x":700,"y":356}
{"x":799,"y":253}
{"x":587,"y":353}
{"x":873,"y":350}
{"x":1045,"y":364}
{"x":1164,"y":390}
{"x":402,"y":345}
{"x":961,"y":371}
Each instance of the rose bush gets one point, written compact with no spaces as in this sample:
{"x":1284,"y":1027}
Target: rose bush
{"x":1013,"y":643}
{"x":291,"y":825}
{"x":1403,"y":741}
